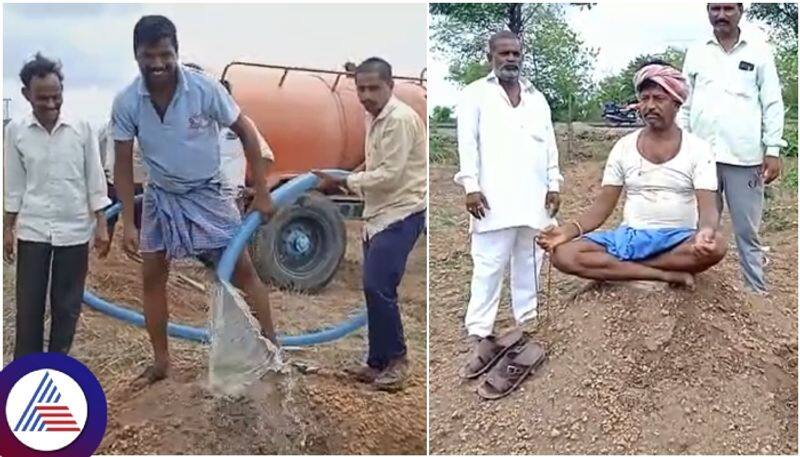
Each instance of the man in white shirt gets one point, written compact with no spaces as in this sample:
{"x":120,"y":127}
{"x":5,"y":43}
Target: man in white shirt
{"x":669,"y":230}
{"x":232,"y":160}
{"x":233,"y":164}
{"x":54,"y":195}
{"x":509,"y":170}
{"x":736,"y":105}
{"x":108,"y":158}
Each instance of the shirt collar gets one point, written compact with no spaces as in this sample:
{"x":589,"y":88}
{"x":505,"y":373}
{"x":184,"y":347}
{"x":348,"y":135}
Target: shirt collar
{"x":712,"y":39}
{"x":492,"y":78}
{"x":388,"y":108}
{"x":183,"y":84}
{"x":63,"y":119}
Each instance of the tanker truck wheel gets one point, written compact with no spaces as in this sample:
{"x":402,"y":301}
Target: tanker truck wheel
{"x":302,"y":246}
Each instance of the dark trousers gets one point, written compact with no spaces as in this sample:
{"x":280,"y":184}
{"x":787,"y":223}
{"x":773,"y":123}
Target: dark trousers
{"x":69,"y":267}
{"x":385,"y":257}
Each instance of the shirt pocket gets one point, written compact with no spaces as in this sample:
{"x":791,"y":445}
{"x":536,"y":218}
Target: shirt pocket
{"x":67,"y":170}
{"x":372,"y":146}
{"x":705,"y":79}
{"x":198,"y":125}
{"x":67,"y":162}
{"x":538,"y":134}
{"x":534,"y":125}
{"x":742,"y":83}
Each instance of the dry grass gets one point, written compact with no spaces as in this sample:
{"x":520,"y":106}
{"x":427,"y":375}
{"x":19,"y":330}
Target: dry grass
{"x":294,"y":413}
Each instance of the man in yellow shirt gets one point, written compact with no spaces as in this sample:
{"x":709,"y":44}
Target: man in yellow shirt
{"x":394,"y":187}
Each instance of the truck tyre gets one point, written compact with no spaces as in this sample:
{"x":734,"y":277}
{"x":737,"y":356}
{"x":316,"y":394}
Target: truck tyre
{"x":301,"y":247}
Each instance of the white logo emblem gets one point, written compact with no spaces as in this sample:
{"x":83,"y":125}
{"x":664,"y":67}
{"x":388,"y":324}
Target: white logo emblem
{"x":46,"y":410}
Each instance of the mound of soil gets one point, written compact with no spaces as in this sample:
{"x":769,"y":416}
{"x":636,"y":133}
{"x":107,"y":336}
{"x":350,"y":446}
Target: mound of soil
{"x":630,"y":370}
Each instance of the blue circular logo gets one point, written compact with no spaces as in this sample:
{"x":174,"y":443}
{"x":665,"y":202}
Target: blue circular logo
{"x":51,"y":405}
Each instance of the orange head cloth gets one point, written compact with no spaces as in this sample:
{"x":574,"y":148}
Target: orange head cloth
{"x":670,"y":79}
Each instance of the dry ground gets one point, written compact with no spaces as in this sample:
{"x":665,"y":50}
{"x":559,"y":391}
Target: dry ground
{"x":312,"y":408}
{"x":629,"y":371}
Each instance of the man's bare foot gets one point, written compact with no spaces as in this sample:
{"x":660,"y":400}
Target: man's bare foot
{"x":151,"y":375}
{"x":680,"y":280}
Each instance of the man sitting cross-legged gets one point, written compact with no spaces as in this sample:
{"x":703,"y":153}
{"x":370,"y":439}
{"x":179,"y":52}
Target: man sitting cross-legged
{"x":669,"y":231}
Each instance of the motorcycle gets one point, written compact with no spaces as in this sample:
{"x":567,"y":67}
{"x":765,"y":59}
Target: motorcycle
{"x":617,"y":115}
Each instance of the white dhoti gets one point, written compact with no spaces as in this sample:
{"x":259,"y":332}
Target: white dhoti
{"x":491,"y":253}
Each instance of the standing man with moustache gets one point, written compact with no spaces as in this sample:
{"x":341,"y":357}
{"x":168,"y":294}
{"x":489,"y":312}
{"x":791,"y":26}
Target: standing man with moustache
{"x":175,"y":113}
{"x":509,"y":171}
{"x":394,"y":186}
{"x":735,"y":104}
{"x":55,"y":192}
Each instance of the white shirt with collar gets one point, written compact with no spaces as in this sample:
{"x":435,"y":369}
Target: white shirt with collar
{"x":735,"y":101}
{"x":233,"y":162}
{"x":508,"y":153}
{"x":53,"y":181}
{"x":108,"y":156}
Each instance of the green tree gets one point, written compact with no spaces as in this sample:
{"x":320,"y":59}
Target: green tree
{"x":465,"y":73}
{"x":786,"y":62}
{"x":442,"y":115}
{"x":556,"y":60}
{"x":781,"y":18}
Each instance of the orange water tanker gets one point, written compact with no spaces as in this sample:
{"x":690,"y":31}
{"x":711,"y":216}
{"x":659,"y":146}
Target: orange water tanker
{"x":312,"y":119}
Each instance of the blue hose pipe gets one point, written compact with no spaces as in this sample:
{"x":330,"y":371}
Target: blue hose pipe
{"x":284,"y":195}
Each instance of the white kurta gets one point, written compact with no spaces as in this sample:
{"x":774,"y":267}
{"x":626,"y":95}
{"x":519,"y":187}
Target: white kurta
{"x":509,"y":154}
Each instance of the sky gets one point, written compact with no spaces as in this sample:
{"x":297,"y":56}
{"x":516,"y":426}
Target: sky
{"x":618,"y":30}
{"x":94,"y":41}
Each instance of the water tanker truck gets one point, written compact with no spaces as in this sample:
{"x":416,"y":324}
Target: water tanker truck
{"x":312,"y":119}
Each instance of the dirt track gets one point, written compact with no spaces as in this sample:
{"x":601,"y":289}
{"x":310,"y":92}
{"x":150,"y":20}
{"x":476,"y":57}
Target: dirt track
{"x":319,"y":412}
{"x":629,"y":371}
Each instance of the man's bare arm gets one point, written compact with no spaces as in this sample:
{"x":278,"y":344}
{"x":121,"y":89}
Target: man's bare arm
{"x":552,"y":237}
{"x":600,"y":210}
{"x":707,"y":211}
{"x":9,"y":219}
{"x":252,"y":151}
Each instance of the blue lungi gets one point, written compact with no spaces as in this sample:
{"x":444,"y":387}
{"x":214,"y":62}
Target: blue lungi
{"x":630,"y":244}
{"x":197,"y":223}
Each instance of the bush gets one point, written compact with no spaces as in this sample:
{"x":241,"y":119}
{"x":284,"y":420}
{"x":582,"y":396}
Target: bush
{"x":790,"y":176}
{"x":790,"y":135}
{"x":443,"y":149}
{"x":442,"y":115}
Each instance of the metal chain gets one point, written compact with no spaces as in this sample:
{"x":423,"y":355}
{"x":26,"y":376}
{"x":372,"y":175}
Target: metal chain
{"x":545,"y":311}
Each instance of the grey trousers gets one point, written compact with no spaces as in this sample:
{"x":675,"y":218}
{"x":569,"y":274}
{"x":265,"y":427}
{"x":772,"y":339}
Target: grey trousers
{"x":743,"y":189}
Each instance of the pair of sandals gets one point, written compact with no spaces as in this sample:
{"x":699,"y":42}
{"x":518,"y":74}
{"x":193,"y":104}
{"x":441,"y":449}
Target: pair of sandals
{"x":508,"y":359}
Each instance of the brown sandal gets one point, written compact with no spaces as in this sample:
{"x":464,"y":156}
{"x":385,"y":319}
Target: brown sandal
{"x":509,"y":373}
{"x":488,"y":351}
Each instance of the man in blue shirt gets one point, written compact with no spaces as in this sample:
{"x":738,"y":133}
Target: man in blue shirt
{"x":175,"y":113}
